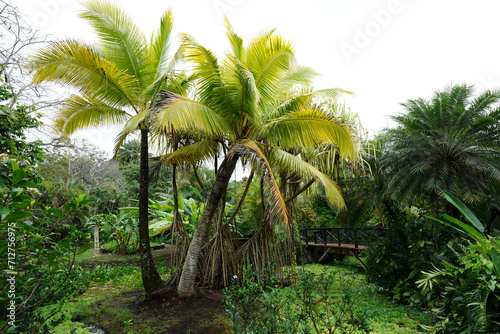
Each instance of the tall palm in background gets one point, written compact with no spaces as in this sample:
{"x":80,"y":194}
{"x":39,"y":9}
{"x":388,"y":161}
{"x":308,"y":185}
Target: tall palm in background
{"x":118,"y":79}
{"x":236,"y":112}
{"x":450,"y":143}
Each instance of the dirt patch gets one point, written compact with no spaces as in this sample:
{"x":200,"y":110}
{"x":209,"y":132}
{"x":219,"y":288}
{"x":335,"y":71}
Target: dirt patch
{"x":160,"y":313}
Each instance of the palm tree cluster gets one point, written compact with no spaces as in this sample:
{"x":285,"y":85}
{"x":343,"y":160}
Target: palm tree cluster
{"x":255,"y":105}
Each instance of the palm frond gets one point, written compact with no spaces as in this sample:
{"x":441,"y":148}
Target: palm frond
{"x":121,"y":41}
{"x":279,"y":206}
{"x":80,"y":66}
{"x":195,"y":153}
{"x":309,"y":128}
{"x":79,"y":113}
{"x":161,"y":62}
{"x":160,"y":45}
{"x":299,"y":75}
{"x":270,"y":58}
{"x":235,"y":40}
{"x":205,"y":67}
{"x":289,"y":162}
{"x":306,"y":96}
{"x":184,"y":114}
{"x":240,"y":89}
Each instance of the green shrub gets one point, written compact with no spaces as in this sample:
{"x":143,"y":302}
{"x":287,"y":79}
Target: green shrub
{"x":315,"y":304}
{"x":106,"y":222}
{"x":412,"y":244}
{"x":40,"y":244}
{"x":470,"y":287}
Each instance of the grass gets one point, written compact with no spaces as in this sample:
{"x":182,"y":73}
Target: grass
{"x":334,"y":294}
{"x":109,"y":285}
{"x":383,"y":315}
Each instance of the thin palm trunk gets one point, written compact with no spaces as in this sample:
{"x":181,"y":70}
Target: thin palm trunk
{"x":187,"y":279}
{"x":150,"y":277}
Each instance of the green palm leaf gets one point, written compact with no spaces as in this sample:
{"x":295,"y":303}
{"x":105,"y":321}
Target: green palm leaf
{"x":79,"y":113}
{"x":80,"y":66}
{"x":187,"y":115}
{"x":235,"y":40}
{"x":289,"y":162}
{"x":197,"y":152}
{"x":122,"y":42}
{"x":271,"y":57}
{"x":309,"y":128}
{"x":279,"y":207}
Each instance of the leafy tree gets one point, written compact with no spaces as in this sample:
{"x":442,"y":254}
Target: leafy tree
{"x":15,"y":121}
{"x":237,"y":111}
{"x":82,"y":168}
{"x":450,"y":143}
{"x":41,"y":243}
{"x":118,"y":80}
{"x":130,"y":152}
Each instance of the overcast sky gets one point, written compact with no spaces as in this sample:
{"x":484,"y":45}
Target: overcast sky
{"x":386,"y":52}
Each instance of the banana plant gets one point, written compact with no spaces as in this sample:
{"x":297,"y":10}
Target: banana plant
{"x":162,"y":213}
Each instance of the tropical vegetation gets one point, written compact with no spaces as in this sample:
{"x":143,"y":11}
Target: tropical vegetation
{"x":219,"y":165}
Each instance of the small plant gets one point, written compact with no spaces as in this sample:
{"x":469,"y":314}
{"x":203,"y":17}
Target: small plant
{"x":326,"y":301}
{"x":125,"y":234}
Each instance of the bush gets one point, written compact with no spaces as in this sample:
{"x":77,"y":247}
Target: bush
{"x":412,"y":244}
{"x":471,"y":287}
{"x":40,"y":244}
{"x":470,"y":293}
{"x":316,"y":304}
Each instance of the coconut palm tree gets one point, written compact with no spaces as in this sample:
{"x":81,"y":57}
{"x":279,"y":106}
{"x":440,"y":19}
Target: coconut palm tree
{"x":450,"y":143}
{"x":118,"y":79}
{"x":239,"y":109}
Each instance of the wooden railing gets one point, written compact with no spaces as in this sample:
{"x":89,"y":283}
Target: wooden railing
{"x":343,"y":235}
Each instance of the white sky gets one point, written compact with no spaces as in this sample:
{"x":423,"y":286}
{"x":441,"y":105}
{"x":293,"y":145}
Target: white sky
{"x":384,"y":51}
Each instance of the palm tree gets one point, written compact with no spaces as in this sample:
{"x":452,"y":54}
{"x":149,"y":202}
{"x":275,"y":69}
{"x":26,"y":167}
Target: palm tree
{"x":450,"y":143}
{"x":238,"y":109}
{"x":118,"y":80}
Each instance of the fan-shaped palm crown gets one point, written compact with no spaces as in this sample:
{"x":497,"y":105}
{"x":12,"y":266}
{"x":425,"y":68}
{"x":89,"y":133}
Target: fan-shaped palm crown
{"x":450,"y":143}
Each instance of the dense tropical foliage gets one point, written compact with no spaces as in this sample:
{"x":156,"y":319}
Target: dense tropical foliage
{"x":302,"y":160}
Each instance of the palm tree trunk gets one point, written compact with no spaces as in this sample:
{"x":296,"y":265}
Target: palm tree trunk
{"x":187,"y":279}
{"x":151,"y":280}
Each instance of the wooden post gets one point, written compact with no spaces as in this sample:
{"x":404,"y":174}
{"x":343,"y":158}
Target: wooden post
{"x":354,"y":237}
{"x":96,"y":239}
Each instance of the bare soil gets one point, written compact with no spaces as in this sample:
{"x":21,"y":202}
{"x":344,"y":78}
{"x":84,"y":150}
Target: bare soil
{"x":162,"y":312}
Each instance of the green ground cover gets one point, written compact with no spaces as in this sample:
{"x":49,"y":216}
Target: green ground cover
{"x":114,"y":301}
